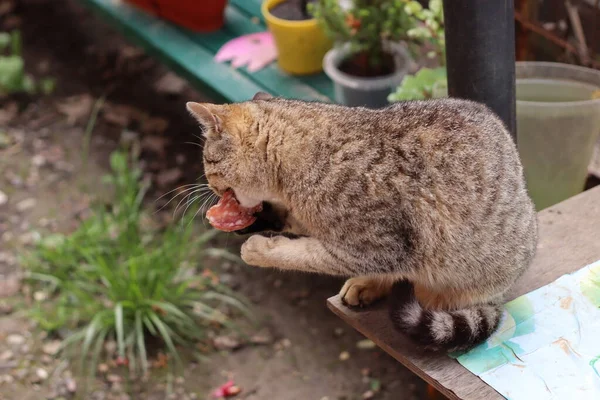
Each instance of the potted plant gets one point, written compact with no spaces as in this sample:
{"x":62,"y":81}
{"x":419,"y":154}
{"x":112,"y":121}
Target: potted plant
{"x":199,"y":16}
{"x":428,"y":82}
{"x":369,"y":59}
{"x":300,"y":41}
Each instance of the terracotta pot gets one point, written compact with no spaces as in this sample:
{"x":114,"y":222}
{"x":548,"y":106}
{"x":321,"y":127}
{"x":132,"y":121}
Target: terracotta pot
{"x":199,"y":16}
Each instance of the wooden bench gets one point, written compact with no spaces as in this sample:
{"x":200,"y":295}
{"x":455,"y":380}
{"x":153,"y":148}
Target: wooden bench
{"x":191,"y":54}
{"x":569,"y":241}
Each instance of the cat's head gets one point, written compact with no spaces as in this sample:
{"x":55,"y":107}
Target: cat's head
{"x":234,"y":152}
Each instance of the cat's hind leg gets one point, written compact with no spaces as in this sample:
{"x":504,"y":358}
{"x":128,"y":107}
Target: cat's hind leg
{"x":302,"y":254}
{"x":364,"y":290}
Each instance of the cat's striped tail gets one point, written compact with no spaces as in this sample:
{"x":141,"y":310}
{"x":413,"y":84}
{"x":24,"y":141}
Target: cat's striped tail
{"x":440,"y":330}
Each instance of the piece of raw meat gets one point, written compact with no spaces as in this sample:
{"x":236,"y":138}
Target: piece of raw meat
{"x":228,"y":215}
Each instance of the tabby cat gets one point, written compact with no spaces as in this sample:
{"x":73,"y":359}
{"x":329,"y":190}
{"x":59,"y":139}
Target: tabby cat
{"x":425,"y":200}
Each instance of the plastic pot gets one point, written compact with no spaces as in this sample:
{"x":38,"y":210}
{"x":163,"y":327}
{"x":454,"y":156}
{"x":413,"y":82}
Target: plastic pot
{"x":198,"y":16}
{"x":301,"y":45}
{"x":558,"y":123}
{"x":367,"y":92}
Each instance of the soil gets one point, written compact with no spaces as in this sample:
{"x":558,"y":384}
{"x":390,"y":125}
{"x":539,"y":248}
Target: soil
{"x":47,"y":183}
{"x":359,"y":65}
{"x":292,"y":10}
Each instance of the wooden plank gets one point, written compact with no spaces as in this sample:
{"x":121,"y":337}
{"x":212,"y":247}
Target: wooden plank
{"x":568,"y":241}
{"x":177,"y":50}
{"x":251,"y":7}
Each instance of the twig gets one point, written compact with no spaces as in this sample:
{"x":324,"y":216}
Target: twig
{"x":578,"y":29}
{"x":87,"y":136}
{"x":551,"y":37}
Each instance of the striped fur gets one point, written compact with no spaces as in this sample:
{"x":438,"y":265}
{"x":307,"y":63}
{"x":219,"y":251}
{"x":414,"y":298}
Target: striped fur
{"x":442,"y":330}
{"x":431,"y":192}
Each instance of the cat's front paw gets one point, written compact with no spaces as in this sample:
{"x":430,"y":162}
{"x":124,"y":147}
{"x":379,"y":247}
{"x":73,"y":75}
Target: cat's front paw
{"x":257,"y":250}
{"x":363,"y":290}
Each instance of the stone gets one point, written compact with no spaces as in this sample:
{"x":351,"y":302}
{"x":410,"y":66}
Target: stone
{"x":15,"y":339}
{"x":26,"y":204}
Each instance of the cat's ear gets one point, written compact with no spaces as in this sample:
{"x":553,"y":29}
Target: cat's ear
{"x":262,"y":96}
{"x":207,"y":115}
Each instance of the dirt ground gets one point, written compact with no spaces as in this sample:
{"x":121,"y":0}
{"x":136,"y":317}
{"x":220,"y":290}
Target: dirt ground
{"x":47,"y":182}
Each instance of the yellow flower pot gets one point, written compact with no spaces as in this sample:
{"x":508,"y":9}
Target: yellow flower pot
{"x":301,"y":45}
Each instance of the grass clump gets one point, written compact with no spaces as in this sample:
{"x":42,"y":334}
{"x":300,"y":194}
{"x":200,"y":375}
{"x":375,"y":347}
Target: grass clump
{"x":116,"y":278}
{"x":13,"y":78}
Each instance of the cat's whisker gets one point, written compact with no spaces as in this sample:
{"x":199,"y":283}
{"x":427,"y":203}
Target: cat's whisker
{"x":205,"y":206}
{"x":177,"y":188}
{"x":179,"y":194}
{"x":187,"y":196}
{"x":195,"y":144}
{"x":188,"y":204}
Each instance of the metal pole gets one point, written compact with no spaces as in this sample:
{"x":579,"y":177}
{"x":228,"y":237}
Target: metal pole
{"x":480,"y":55}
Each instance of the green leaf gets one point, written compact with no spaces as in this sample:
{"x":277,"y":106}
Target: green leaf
{"x":419,"y":86}
{"x":5,"y":40}
{"x":166,"y":336}
{"x":436,"y":6}
{"x":119,"y":328}
{"x":141,"y":344}
{"x":47,"y":85}
{"x":11,"y":74}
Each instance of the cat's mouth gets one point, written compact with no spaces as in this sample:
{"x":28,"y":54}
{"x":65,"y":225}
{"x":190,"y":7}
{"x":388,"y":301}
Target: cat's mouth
{"x":229,"y":215}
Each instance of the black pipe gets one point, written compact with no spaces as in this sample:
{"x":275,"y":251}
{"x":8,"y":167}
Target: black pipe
{"x":480,"y":55}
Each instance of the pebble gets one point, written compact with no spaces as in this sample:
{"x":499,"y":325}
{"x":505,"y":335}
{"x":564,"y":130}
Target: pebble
{"x":5,"y":308}
{"x":51,"y":347}
{"x":344,"y":355}
{"x":261,"y":338}
{"x":3,"y":198}
{"x":38,"y":160}
{"x":365,"y":344}
{"x":40,"y":295}
{"x":41,"y":373}
{"x":71,"y":385}
{"x":15,"y":340}
{"x":6,"y":355}
{"x":113,"y":378}
{"x":226,"y":343}
{"x":26,"y":204}
{"x":369,"y":394}
{"x":46,"y":359}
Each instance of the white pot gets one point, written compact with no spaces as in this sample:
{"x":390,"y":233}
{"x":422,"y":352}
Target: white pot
{"x":367,"y":92}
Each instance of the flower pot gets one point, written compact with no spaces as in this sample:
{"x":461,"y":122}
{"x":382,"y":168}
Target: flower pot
{"x":199,"y":16}
{"x":558,"y":123}
{"x":367,"y":92}
{"x":301,"y":45}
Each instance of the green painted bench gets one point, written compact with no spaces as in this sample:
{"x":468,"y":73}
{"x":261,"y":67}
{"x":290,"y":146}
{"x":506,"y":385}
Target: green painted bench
{"x":191,"y":54}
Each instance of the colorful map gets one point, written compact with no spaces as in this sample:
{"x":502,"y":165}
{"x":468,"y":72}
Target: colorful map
{"x":548,"y":343}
